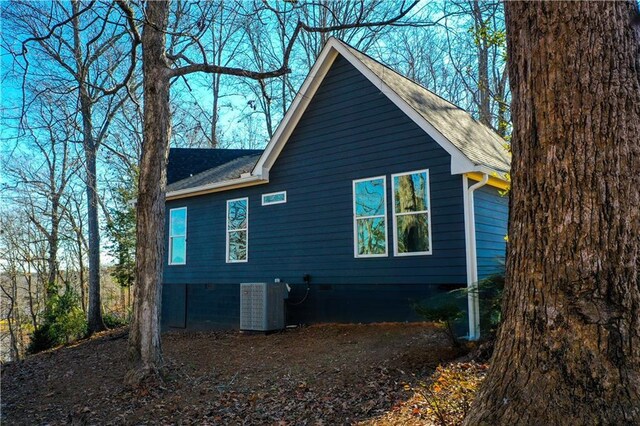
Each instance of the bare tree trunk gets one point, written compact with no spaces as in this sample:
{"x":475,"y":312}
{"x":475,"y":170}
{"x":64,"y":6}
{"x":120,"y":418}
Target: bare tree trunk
{"x":11,"y":296}
{"x":94,"y":316}
{"x":215,"y":110}
{"x":81,"y":243}
{"x":502,"y":125}
{"x":144,"y":338}
{"x":52,"y":261}
{"x":569,"y":349}
{"x":32,"y":306}
{"x":484,"y":96}
{"x":123,"y":302}
{"x":83,"y":296}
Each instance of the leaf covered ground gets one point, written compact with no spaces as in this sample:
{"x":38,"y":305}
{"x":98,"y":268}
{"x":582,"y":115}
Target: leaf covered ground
{"x":375,"y":374}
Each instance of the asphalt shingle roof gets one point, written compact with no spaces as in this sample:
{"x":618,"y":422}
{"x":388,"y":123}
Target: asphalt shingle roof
{"x":186,"y":162}
{"x":226,"y":171}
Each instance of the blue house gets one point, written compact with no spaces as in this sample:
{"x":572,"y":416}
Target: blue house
{"x":374,"y":193}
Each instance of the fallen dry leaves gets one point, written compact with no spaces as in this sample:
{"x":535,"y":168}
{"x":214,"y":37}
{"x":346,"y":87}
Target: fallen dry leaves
{"x":319,"y":375}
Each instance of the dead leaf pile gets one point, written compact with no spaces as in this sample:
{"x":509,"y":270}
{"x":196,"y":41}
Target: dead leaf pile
{"x":319,"y":375}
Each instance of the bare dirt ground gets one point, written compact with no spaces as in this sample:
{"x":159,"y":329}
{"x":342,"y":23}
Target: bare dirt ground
{"x":328,"y":374}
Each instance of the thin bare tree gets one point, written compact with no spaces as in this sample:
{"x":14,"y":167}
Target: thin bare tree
{"x":78,"y":49}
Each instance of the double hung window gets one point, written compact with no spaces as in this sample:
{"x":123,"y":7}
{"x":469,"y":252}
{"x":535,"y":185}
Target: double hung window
{"x":410,"y":210}
{"x":411,"y":214}
{"x":370,"y":217}
{"x":237,"y":230}
{"x":178,"y":236}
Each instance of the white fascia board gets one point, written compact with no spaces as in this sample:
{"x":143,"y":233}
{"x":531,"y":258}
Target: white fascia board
{"x":216,"y":187}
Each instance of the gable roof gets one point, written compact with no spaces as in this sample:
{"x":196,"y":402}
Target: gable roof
{"x":186,"y":162}
{"x":472,"y":145}
{"x":475,"y":140}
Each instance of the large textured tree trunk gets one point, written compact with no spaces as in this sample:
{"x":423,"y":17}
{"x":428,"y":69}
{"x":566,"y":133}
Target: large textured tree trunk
{"x":144,"y":339}
{"x":569,"y":349}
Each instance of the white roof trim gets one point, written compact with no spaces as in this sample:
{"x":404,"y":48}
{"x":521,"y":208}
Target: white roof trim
{"x":297,"y":108}
{"x":216,"y":187}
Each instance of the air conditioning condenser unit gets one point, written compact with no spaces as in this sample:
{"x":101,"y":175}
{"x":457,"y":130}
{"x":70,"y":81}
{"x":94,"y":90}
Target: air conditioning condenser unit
{"x":262,"y":306}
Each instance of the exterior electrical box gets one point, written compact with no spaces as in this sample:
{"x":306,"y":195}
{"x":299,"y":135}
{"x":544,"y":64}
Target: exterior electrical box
{"x":262,"y":306}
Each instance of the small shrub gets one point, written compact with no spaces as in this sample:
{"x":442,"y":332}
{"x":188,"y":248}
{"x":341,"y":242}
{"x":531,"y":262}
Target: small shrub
{"x":490,"y":292}
{"x":446,"y":308}
{"x":446,"y":311}
{"x":115,"y":319}
{"x":63,"y":322}
{"x":41,"y":339}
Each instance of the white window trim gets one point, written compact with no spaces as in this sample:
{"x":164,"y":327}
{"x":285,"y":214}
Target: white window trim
{"x":269,"y":203}
{"x":227,"y":231}
{"x":396,"y":214}
{"x":171,"y":236}
{"x":355,"y":219}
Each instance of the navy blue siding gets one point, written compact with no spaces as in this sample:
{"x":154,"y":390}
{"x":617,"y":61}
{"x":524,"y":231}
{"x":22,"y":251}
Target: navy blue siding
{"x":349,"y":131}
{"x":491,"y":216}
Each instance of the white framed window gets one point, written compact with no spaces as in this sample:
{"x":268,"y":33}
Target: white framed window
{"x":274,"y":198}
{"x":411,"y":213}
{"x":370,"y":217}
{"x":178,"y":236}
{"x":237,"y":230}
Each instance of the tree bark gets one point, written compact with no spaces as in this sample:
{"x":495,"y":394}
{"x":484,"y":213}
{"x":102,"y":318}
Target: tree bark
{"x":144,"y":338}
{"x":484,"y":95}
{"x":52,"y":260}
{"x":568,"y":351}
{"x":95,"y":322}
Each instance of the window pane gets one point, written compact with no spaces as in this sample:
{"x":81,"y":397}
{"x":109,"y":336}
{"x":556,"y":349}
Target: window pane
{"x":178,"y":250}
{"x":410,"y":192}
{"x":413,"y":233}
{"x":238,"y":245}
{"x":370,"y":198}
{"x":237,"y":215}
{"x":371,"y":236}
{"x":178,"y":224}
{"x":273,"y":198}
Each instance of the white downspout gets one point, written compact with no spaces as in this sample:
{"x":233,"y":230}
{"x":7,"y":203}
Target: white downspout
{"x":472,"y":256}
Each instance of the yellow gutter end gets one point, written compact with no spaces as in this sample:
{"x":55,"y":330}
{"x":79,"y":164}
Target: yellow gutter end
{"x":493,"y":180}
